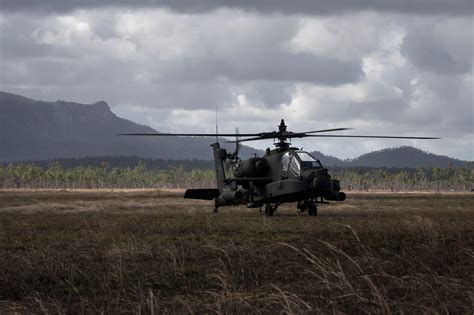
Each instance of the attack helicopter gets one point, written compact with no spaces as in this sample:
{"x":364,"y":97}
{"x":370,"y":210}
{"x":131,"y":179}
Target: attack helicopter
{"x":284,"y":174}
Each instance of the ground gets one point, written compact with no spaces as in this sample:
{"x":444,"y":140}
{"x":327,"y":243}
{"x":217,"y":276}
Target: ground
{"x":154,"y":252}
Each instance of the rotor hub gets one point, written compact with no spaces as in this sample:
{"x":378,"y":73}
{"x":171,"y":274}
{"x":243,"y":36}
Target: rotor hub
{"x":282,"y":135}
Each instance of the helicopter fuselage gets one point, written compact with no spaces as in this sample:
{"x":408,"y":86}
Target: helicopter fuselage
{"x":284,"y":174}
{"x":281,"y":175}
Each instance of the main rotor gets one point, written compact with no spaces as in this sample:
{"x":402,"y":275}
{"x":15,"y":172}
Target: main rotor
{"x":282,"y":135}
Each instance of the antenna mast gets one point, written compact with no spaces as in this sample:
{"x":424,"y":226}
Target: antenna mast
{"x":217,"y":128}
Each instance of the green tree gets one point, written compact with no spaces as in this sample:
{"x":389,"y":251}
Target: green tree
{"x":55,"y":172}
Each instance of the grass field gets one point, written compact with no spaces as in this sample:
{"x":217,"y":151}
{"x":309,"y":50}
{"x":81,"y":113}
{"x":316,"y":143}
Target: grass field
{"x":154,"y":252}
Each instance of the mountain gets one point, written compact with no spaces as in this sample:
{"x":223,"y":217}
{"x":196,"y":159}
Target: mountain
{"x":37,"y":130}
{"x":404,"y":157}
{"x":399,"y":157}
{"x":328,"y":160}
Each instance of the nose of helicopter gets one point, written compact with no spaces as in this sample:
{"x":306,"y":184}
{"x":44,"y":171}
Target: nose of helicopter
{"x":321,"y":182}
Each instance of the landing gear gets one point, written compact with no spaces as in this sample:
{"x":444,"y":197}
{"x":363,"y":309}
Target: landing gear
{"x":269,"y":210}
{"x":302,"y":206}
{"x":309,"y":205}
{"x":312,"y":209}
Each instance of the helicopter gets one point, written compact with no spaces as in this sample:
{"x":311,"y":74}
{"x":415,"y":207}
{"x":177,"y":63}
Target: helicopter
{"x":284,"y":174}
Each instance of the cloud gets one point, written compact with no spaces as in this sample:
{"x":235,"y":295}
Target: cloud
{"x":425,"y":52}
{"x":341,"y":38}
{"x":187,"y":61}
{"x":265,"y":66}
{"x":300,"y":7}
{"x":442,"y":47}
{"x":379,"y":70}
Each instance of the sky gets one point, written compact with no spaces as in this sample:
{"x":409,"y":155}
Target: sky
{"x":382,"y":67}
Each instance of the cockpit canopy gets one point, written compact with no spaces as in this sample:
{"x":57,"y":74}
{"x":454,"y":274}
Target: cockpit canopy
{"x":307,"y":160}
{"x":295,"y":161}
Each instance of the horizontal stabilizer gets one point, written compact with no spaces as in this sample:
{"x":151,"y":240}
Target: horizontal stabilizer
{"x":206,"y":194}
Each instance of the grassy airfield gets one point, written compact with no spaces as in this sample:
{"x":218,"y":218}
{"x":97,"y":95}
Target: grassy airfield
{"x":154,"y":252}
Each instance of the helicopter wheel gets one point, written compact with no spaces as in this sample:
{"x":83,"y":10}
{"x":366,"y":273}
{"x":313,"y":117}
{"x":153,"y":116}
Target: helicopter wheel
{"x":269,"y":209}
{"x":312,"y":209}
{"x":302,"y":206}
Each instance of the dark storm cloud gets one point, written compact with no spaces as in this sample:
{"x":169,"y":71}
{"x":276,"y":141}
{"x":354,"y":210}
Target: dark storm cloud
{"x":267,"y":92}
{"x":270,"y":65}
{"x":387,"y":73}
{"x":48,"y":54}
{"x":446,"y":109}
{"x":17,"y":41}
{"x":426,"y":52}
{"x":206,"y":94}
{"x":307,"y":7}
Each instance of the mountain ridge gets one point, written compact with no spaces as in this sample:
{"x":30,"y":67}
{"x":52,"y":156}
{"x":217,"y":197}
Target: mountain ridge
{"x":404,"y":156}
{"x":39,"y":130}
{"x":394,"y":157}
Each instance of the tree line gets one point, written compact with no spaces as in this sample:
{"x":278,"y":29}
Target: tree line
{"x":33,"y":176}
{"x":394,"y":179}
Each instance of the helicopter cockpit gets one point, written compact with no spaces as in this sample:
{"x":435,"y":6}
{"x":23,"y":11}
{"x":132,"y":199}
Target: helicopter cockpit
{"x":307,"y":160}
{"x":295,"y":161}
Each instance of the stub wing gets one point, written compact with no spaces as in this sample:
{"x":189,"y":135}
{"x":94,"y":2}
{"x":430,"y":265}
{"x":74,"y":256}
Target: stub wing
{"x":205,"y":194}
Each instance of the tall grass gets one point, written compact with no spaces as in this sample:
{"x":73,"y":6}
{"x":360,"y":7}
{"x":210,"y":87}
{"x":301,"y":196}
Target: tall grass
{"x":151,"y":253}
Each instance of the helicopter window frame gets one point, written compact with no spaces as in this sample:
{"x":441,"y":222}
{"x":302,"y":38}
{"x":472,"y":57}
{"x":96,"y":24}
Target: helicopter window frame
{"x":285,"y":161}
{"x":295,"y":165}
{"x":307,"y":160}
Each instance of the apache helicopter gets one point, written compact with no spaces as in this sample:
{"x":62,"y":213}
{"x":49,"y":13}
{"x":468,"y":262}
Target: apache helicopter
{"x":284,"y":174}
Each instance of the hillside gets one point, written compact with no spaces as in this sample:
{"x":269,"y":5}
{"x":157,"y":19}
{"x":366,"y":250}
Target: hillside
{"x":403,"y":157}
{"x":36,"y":130}
{"x":328,"y":160}
{"x":399,"y":157}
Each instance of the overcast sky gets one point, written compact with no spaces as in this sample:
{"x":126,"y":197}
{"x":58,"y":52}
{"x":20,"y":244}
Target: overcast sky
{"x":390,"y":67}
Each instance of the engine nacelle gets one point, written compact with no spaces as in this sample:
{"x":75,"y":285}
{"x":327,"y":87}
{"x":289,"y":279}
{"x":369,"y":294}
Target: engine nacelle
{"x":229,"y":197}
{"x":232,"y":195}
{"x":253,"y":167}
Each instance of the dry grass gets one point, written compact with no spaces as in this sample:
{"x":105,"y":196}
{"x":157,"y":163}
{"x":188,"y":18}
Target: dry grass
{"x":154,"y":252}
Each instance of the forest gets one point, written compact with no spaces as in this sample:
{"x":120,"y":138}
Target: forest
{"x":56,"y":176}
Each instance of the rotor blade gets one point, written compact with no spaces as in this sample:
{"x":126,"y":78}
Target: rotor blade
{"x":325,"y":130}
{"x":248,"y":139}
{"x":376,"y":137}
{"x":338,"y":136}
{"x":189,"y":134}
